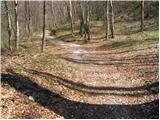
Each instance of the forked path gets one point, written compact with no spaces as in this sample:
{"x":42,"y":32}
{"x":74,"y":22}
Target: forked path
{"x":108,"y":84}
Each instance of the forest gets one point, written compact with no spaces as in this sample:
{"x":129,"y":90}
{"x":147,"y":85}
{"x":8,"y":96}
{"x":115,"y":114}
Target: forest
{"x":79,"y":59}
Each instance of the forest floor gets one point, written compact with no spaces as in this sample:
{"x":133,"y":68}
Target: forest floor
{"x":117,"y":78}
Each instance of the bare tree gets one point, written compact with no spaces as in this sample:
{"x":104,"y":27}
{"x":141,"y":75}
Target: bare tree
{"x":81,"y":18}
{"x":71,"y":16}
{"x":57,"y":15}
{"x":111,"y":19}
{"x":107,"y":19}
{"x":25,"y":14}
{"x":8,"y":25}
{"x":53,"y":15}
{"x":43,"y":36}
{"x":27,"y":18}
{"x":87,"y":20}
{"x":16,"y":24}
{"x":142,"y":15}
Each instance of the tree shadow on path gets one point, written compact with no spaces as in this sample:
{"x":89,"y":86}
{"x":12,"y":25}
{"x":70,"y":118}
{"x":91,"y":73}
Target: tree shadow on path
{"x":72,"y":109}
{"x":139,"y":60}
{"x":100,"y":90}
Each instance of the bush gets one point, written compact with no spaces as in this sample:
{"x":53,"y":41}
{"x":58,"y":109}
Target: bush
{"x":52,"y":32}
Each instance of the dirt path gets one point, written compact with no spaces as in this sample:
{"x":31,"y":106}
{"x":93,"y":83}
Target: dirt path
{"x":75,"y":49}
{"x":114,"y":81}
{"x":114,"y":75}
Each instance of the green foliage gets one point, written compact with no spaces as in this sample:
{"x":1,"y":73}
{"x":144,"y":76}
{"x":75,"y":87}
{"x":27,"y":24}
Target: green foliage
{"x":28,"y":50}
{"x":136,"y":40}
{"x":66,"y":27}
{"x":97,"y":23}
{"x":152,"y":33}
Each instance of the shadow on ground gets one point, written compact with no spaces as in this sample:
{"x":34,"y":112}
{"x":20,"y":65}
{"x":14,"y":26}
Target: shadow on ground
{"x":72,"y":109}
{"x":138,"y":60}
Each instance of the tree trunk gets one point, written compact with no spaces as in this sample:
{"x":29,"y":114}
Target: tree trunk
{"x":27,"y":18}
{"x":53,"y":15}
{"x":85,"y":20}
{"x":8,"y":25}
{"x":107,"y":20}
{"x":81,"y":19}
{"x":88,"y":21}
{"x":142,"y":15}
{"x":44,"y":14}
{"x":112,"y":19}
{"x":16,"y":25}
{"x":71,"y":16}
{"x":81,"y":28}
{"x":29,"y":21}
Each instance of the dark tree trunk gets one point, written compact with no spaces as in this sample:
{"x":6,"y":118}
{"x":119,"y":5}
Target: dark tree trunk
{"x":81,"y":19}
{"x":43,"y":36}
{"x":87,"y":21}
{"x":112,"y":19}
